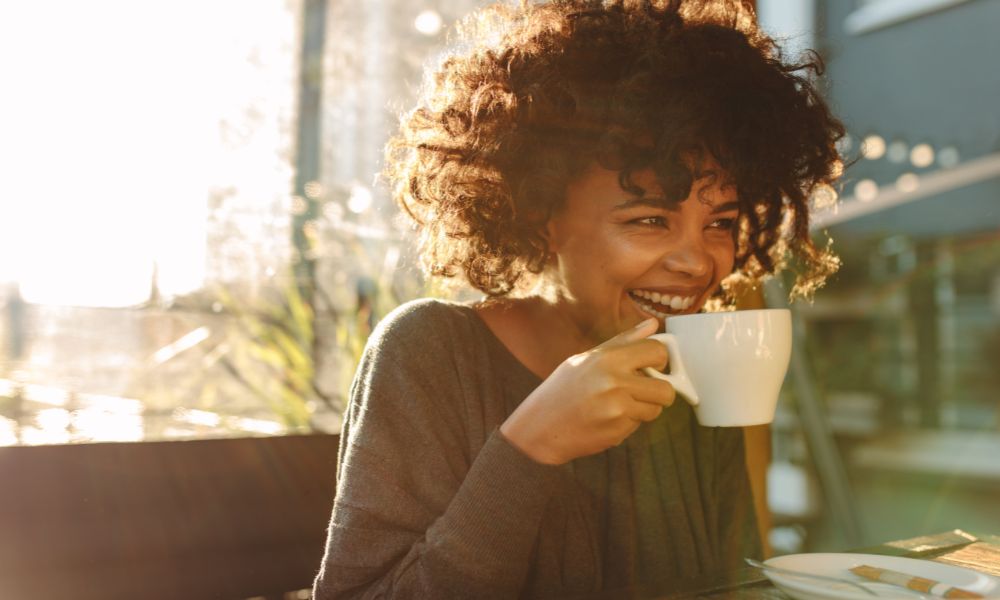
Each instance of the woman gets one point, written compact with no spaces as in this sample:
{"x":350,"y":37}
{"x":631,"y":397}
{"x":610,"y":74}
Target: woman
{"x":591,"y":167}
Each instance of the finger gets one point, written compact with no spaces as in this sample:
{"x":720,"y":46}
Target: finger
{"x":644,"y":411}
{"x":624,"y":429}
{"x":639,"y":354}
{"x":640,"y":331}
{"x":650,"y":391}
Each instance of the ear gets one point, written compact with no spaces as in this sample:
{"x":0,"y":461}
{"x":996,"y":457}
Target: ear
{"x":550,"y":233}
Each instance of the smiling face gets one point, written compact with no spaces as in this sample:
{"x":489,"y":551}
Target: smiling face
{"x":619,"y":259}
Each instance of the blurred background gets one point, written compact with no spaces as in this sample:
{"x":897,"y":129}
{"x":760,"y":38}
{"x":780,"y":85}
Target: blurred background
{"x":194,"y":243}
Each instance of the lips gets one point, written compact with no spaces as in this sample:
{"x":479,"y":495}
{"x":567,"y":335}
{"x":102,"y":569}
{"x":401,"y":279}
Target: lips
{"x":660,"y":304}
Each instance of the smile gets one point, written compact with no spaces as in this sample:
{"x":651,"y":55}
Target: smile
{"x":661,"y":305}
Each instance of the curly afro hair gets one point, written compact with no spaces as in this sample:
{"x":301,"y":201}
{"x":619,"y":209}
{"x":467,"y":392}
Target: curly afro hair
{"x":537,"y":92}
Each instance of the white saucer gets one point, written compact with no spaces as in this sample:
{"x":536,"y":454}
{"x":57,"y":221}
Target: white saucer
{"x":838,"y":565}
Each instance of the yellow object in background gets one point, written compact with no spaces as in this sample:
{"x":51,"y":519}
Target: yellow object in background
{"x":912,"y":582}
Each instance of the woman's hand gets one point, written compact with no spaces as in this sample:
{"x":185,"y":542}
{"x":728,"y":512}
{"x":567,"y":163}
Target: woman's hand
{"x":593,"y":400}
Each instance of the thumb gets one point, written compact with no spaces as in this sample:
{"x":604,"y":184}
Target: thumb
{"x":640,"y":331}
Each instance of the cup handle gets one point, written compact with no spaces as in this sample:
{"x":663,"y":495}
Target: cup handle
{"x":678,"y":374}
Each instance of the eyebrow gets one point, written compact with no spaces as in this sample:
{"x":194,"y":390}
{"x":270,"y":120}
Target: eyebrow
{"x":662,"y":203}
{"x":650,"y":201}
{"x":726,"y":206}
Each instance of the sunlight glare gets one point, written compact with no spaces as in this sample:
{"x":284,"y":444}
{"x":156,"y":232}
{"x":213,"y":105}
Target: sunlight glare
{"x":428,"y":23}
{"x":8,"y":432}
{"x":113,"y":138}
{"x":360,"y":199}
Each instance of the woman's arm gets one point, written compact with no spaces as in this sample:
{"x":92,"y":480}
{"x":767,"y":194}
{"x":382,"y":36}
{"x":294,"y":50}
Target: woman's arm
{"x":414,"y":515}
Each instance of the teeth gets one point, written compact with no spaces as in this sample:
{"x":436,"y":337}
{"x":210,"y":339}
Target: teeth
{"x":673,"y":303}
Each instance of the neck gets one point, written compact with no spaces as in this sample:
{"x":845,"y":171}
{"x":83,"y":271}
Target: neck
{"x":558,"y":326}
{"x":537,"y":330}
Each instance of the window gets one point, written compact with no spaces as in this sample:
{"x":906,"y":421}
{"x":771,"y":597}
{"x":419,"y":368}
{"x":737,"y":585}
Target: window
{"x":152,"y":180}
{"x":876,"y":14}
{"x":145,"y":163}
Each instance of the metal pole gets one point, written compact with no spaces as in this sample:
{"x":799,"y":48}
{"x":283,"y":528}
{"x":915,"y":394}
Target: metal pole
{"x":819,"y":437}
{"x":305,"y":209}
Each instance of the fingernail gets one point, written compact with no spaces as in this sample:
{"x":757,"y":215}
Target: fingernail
{"x":644,"y":323}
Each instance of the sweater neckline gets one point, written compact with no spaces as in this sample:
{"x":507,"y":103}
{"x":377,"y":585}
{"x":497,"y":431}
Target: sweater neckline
{"x":502,"y":348}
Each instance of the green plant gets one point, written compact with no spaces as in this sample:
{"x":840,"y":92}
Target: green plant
{"x":271,"y":354}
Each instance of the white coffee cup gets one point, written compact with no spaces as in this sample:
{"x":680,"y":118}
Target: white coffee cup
{"x":728,"y":365}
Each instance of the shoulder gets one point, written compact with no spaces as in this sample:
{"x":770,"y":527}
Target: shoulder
{"x":417,"y":359}
{"x":425,"y":329}
{"x":425,"y":311}
{"x":425,"y":317}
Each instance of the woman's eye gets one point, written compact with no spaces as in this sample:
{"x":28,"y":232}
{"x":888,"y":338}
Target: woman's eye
{"x":651,"y":221}
{"x":726,"y":224}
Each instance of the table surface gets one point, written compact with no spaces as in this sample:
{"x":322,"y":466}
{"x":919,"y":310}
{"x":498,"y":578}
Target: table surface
{"x":975,"y":551}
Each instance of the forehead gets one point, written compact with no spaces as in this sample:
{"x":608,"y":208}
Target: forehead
{"x":712,"y":186}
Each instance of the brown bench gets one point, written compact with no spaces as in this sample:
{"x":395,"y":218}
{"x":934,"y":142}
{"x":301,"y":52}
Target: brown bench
{"x":221,"y":519}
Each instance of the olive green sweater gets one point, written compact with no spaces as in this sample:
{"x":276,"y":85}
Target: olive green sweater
{"x":433,"y":502}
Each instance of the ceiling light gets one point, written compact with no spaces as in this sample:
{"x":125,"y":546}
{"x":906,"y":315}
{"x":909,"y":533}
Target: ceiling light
{"x":922,"y":156}
{"x":908,"y":182}
{"x":866,"y":190}
{"x":873,"y":147}
{"x":898,"y":151}
{"x":948,"y":157}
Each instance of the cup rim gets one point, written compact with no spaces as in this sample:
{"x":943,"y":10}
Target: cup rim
{"x":694,"y":316}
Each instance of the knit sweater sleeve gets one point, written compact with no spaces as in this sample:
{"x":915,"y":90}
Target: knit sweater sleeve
{"x":418,"y":514}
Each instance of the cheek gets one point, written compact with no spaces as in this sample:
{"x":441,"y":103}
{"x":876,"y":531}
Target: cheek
{"x":724,"y":256}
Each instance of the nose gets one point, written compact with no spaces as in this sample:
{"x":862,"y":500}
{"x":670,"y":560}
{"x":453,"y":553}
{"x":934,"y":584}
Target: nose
{"x":690,"y":258}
